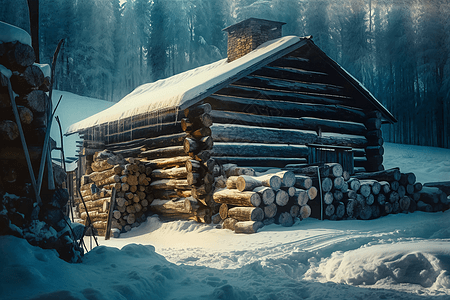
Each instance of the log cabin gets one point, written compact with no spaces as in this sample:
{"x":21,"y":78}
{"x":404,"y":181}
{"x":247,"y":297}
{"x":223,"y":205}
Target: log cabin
{"x":275,"y":101}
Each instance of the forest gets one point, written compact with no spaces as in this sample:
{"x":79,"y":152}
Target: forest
{"x":399,"y":49}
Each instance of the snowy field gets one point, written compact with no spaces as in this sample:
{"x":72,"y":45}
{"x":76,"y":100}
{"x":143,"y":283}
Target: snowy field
{"x":405,"y":256}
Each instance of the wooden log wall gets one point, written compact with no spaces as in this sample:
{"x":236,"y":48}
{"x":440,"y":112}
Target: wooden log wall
{"x":295,"y":100}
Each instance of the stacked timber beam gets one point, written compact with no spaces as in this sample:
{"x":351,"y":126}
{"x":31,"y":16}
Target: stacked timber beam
{"x":182,"y":177}
{"x":129,"y":177}
{"x":248,"y":201}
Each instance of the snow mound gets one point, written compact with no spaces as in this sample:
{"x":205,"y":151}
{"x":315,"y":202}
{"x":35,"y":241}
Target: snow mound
{"x":425,"y":263}
{"x":10,"y":33}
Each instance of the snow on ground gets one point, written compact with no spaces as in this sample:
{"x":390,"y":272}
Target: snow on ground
{"x":428,"y":163}
{"x":404,"y":256}
{"x":72,"y":109}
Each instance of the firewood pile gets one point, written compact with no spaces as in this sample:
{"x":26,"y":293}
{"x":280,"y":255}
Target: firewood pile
{"x":183,"y":185}
{"x":30,"y":209}
{"x":373,"y":194}
{"x":250,"y":201}
{"x":131,"y":180}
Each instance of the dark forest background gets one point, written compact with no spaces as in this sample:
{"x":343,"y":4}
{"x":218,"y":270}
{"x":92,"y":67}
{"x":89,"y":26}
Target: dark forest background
{"x":399,"y":49}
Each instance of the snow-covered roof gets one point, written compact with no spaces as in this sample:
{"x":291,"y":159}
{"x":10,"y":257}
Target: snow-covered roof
{"x":179,"y":91}
{"x":10,"y":33}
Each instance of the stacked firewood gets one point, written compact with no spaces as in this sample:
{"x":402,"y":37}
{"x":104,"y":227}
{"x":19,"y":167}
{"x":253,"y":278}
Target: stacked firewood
{"x":373,"y":194}
{"x":172,"y":191}
{"x":250,"y":201}
{"x":130,"y":178}
{"x":374,"y":150}
{"x":183,"y":185}
{"x":29,"y":86}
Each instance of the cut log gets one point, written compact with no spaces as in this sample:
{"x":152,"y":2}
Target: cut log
{"x":327,"y":184}
{"x":36,"y":100}
{"x":365,"y":189}
{"x":270,"y":210}
{"x":340,"y":210}
{"x":336,"y":169}
{"x":381,"y":199}
{"x":386,"y":175}
{"x":31,"y":78}
{"x":328,"y":198}
{"x":407,"y":178}
{"x":229,"y":223}
{"x":193,"y":112}
{"x":422,"y":206}
{"x":266,"y":162}
{"x":258,"y":150}
{"x":194,"y":179}
{"x":338,"y":195}
{"x":170,"y":206}
{"x":305,"y":212}
{"x":202,"y":132}
{"x":301,"y":196}
{"x":288,"y":123}
{"x":215,"y":219}
{"x":203,"y":120}
{"x":166,"y":152}
{"x":247,"y":226}
{"x":404,"y":203}
{"x":443,"y":186}
{"x":223,"y":211}
{"x":281,"y":198}
{"x":170,"y":184}
{"x":284,"y":108}
{"x":289,"y":190}
{"x":195,"y":146}
{"x":235,"y":197}
{"x":312,"y":193}
{"x":232,"y":182}
{"x":432,"y":195}
{"x":234,"y":170}
{"x":303,"y":182}
{"x":352,"y":208}
{"x":193,"y":166}
{"x":163,"y":163}
{"x":375,"y":186}
{"x":170,"y":173}
{"x":99,"y":176}
{"x":246,"y":213}
{"x":385,"y":187}
{"x":354,"y":184}
{"x":266,"y":193}
{"x":9,"y":130}
{"x":285,"y":219}
{"x":17,"y":55}
{"x":253,"y":134}
{"x":338,"y":182}
{"x":247,"y":183}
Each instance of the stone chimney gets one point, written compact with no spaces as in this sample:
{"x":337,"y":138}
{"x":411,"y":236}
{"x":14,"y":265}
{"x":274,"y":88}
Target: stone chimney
{"x":247,"y":35}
